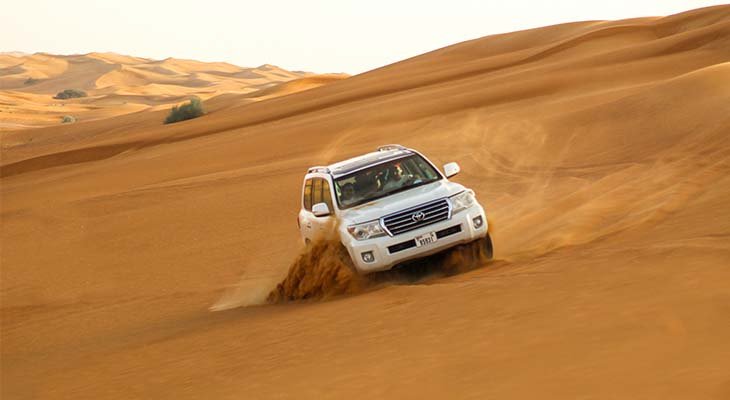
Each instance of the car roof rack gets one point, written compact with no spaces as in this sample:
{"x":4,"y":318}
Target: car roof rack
{"x":319,"y":169}
{"x":388,"y":147}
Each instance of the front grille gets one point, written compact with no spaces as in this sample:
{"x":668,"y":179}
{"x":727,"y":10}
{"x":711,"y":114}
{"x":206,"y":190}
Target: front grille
{"x":417,"y":217}
{"x":412,"y":243}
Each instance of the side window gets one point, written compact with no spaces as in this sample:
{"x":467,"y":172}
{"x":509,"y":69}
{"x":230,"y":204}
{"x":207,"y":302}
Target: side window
{"x":317,"y":191}
{"x":308,"y":195}
{"x":326,"y":194}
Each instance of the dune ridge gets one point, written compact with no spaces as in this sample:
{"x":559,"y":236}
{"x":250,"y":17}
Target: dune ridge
{"x":598,"y":148}
{"x":120,"y":84}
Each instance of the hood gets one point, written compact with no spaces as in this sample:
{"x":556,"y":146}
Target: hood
{"x":399,"y":201}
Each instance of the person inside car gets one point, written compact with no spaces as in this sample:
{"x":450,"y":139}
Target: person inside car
{"x":348,"y":194}
{"x":395,"y":179}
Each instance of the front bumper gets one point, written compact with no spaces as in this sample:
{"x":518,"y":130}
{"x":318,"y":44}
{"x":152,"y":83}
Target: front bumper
{"x":387,"y":251}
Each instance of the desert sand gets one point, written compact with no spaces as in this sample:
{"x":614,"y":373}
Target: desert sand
{"x":118,"y":84}
{"x":600,"y":149}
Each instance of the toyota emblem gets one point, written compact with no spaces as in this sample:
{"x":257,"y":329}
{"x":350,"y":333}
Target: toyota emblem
{"x":418,"y":216}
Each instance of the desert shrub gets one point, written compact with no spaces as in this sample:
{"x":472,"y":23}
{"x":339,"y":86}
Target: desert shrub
{"x":68,"y":119}
{"x":191,"y":110}
{"x":31,"y":81}
{"x":70,"y":94}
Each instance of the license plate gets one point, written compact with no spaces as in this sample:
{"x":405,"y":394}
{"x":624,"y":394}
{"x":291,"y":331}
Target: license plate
{"x":423,"y":240}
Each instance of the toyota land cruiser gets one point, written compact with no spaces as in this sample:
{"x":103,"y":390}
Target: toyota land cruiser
{"x":390,"y":206}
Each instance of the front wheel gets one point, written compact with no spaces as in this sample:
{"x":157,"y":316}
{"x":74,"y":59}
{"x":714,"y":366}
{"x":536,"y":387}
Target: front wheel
{"x":488,"y":247}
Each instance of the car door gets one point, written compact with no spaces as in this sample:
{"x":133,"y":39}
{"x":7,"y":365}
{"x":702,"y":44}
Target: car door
{"x":321,"y":193}
{"x":305,"y":214}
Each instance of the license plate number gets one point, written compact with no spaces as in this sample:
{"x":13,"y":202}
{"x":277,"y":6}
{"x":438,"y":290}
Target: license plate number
{"x":426,"y":239}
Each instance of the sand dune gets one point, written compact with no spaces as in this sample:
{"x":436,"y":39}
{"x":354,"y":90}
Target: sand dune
{"x":119,"y":84}
{"x":599,"y":149}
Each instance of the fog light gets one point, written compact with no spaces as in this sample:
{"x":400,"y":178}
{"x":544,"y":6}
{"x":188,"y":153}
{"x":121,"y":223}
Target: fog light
{"x":478,"y":222}
{"x":368,"y":256}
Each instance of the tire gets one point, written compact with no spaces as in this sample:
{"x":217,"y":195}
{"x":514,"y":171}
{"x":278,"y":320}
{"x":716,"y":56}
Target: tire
{"x":488,"y":248}
{"x":347,"y":260}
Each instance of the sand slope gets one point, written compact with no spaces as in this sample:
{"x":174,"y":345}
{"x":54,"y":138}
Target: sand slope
{"x":119,"y":84}
{"x":599,"y":149}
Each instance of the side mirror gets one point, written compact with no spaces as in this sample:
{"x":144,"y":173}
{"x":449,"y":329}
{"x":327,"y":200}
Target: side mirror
{"x":451,"y":169}
{"x":321,"y":210}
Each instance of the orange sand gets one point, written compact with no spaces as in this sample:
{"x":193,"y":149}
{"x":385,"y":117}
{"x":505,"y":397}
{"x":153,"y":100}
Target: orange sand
{"x":600,"y":150}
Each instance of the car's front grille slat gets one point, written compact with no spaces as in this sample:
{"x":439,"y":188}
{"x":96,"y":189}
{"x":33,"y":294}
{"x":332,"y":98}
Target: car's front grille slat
{"x":425,"y":221}
{"x":407,"y":214}
{"x":407,"y":218}
{"x":417,"y":217}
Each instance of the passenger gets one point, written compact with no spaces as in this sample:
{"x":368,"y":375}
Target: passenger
{"x":348,"y":194}
{"x":365,"y":185}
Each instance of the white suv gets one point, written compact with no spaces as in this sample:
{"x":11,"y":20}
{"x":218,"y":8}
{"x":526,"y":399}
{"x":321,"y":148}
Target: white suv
{"x":390,"y":206}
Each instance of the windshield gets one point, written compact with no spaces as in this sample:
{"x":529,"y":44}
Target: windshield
{"x":384,"y":179}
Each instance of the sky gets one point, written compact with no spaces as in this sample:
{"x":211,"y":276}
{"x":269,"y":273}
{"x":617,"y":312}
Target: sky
{"x":317,"y":35}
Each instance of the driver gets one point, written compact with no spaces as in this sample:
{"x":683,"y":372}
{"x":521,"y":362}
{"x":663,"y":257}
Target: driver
{"x":396,"y":180}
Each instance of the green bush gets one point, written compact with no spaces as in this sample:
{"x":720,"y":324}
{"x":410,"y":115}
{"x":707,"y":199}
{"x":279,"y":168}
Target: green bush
{"x":31,"y":81}
{"x":70,"y":94}
{"x":191,"y":110}
{"x":68,"y":119}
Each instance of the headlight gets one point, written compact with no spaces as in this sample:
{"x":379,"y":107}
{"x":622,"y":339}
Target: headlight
{"x":462,"y":201}
{"x":366,"y":230}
